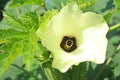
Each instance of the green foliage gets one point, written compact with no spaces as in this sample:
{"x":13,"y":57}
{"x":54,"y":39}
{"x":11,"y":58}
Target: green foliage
{"x":16,"y":3}
{"x":24,"y":7}
{"x":9,"y":53}
{"x":112,"y":43}
{"x":11,"y":33}
{"x":29,"y":49}
{"x":18,"y":37}
{"x":54,"y":4}
{"x":100,"y":6}
{"x":108,"y":16}
{"x":117,"y":71}
{"x":83,"y":4}
{"x":117,"y":5}
{"x":18,"y":33}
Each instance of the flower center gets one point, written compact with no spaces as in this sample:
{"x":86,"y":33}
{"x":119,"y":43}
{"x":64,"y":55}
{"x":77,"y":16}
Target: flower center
{"x":68,"y":44}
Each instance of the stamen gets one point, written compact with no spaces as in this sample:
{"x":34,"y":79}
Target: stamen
{"x":68,"y":44}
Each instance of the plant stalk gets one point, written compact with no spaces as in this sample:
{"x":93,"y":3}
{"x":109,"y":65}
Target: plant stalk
{"x":75,"y":73}
{"x":114,"y":27}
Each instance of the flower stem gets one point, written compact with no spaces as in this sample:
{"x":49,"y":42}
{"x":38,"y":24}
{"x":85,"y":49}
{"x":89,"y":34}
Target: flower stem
{"x":48,"y":70}
{"x":53,"y":74}
{"x":78,"y":72}
{"x":114,"y":27}
{"x":61,"y":76}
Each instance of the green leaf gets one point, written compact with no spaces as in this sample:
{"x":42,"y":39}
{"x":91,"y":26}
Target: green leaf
{"x":13,"y":21}
{"x":115,"y":19}
{"x":117,"y":58}
{"x":20,"y":33}
{"x":30,"y":20}
{"x":21,"y":7}
{"x":112,"y":46}
{"x":99,"y":6}
{"x":17,"y":3}
{"x":9,"y":53}
{"x":24,"y":22}
{"x":83,"y":4}
{"x":11,"y":33}
{"x":108,"y":16}
{"x":4,"y":25}
{"x":57,"y":4}
{"x":29,"y":49}
{"x":117,"y":71}
{"x":18,"y":11}
{"x":117,"y":5}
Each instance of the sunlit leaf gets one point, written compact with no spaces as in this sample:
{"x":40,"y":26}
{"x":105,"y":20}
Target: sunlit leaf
{"x":21,"y":35}
{"x":29,"y":49}
{"x":16,"y":3}
{"x":9,"y":53}
{"x":83,"y":4}
{"x":11,"y":33}
{"x":13,"y":21}
{"x":117,"y":5}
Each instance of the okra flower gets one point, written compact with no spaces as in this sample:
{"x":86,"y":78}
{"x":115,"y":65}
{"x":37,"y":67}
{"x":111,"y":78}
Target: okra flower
{"x":74,"y":37}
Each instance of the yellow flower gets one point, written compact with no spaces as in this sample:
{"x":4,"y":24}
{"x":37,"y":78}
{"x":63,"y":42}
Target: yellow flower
{"x":74,"y":37}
